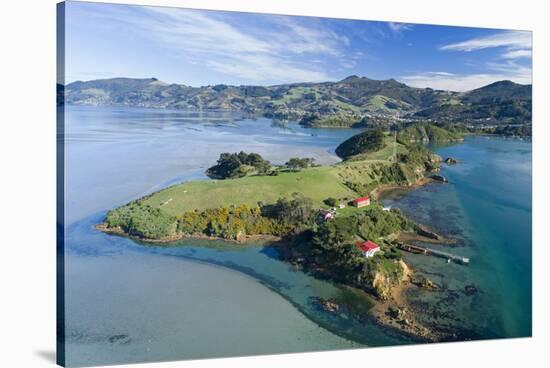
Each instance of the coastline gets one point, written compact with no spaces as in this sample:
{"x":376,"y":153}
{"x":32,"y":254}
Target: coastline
{"x":379,"y":313}
{"x":379,"y":192}
{"x":244,"y":239}
{"x":393,"y":313}
{"x":396,"y":314}
{"x":376,"y":314}
{"x":409,"y":236}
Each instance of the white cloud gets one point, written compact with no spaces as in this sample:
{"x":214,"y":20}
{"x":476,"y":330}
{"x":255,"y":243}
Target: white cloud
{"x":516,"y":45}
{"x":440,"y":74}
{"x":512,"y":40}
{"x":399,"y":27}
{"x":302,"y":39}
{"x":348,"y":64}
{"x":260,"y":68}
{"x":282,"y":51}
{"x":261,"y":56}
{"x":517,"y":54}
{"x":467,"y":82}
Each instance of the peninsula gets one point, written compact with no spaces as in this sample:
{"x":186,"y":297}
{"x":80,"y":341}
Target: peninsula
{"x":321,"y":215}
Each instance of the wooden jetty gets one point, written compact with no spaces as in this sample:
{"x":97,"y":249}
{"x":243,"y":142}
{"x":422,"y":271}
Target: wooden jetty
{"x":437,"y":253}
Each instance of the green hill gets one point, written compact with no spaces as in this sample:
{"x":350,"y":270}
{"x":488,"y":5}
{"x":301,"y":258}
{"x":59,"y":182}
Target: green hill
{"x":501,"y":91}
{"x":426,"y":133}
{"x":352,"y":102}
{"x":369,"y":141}
{"x":503,"y":102}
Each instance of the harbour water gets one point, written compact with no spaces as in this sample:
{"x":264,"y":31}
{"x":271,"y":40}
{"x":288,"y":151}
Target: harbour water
{"x":486,"y":207}
{"x":129,"y":303}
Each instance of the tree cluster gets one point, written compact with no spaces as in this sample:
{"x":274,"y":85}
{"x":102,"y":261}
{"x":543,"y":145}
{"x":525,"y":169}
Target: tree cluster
{"x":229,"y":222}
{"x":297,"y":163}
{"x":369,"y":141}
{"x":237,"y":165}
{"x":142,"y":220}
{"x":298,"y":210}
{"x":333,"y":243}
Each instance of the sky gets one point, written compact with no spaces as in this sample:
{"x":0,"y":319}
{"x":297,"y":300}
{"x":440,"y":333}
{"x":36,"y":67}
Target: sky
{"x":199,"y":47}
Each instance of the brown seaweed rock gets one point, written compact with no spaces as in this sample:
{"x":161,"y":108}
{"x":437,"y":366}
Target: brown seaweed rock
{"x":451,"y":161}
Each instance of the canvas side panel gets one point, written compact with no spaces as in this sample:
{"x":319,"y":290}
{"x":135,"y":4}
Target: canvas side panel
{"x":60,"y":176}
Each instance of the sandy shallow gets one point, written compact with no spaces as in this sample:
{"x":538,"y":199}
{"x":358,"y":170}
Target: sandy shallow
{"x":159,"y":309}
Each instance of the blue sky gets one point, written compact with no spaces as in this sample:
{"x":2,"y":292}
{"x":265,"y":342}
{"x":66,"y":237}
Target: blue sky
{"x":198,"y":48}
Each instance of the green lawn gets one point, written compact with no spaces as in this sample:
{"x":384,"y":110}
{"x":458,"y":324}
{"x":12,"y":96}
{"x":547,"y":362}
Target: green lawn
{"x":385,"y":154}
{"x":316,"y":183}
{"x":349,"y":210}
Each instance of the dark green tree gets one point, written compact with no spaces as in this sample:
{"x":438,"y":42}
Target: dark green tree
{"x":369,"y":141}
{"x":331,"y":201}
{"x":296,"y":163}
{"x":234,"y":165}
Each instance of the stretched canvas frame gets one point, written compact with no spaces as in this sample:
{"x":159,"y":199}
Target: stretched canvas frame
{"x":284,"y":181}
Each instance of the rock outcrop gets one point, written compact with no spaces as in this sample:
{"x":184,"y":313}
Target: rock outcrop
{"x":439,"y":178}
{"x":425,"y":232}
{"x":451,"y":161}
{"x":383,"y":283}
{"x":429,"y":284}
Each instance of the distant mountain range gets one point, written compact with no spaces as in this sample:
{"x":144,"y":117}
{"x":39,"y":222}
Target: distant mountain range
{"x":353,"y":101}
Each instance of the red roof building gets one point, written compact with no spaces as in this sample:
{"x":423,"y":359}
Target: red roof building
{"x":368,"y":248}
{"x":361,"y":202}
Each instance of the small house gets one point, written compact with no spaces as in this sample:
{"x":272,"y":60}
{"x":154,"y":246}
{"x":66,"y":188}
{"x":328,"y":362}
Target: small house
{"x":361,"y":202}
{"x":368,"y":248}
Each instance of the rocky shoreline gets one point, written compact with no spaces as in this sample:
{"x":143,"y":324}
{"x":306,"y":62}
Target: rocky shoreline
{"x":382,"y":190}
{"x":425,"y":235}
{"x":394,"y":312}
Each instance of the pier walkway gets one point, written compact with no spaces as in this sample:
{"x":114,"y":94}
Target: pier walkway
{"x":437,"y":253}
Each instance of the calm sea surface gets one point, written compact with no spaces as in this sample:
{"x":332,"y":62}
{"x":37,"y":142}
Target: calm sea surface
{"x":487,"y":208}
{"x":126,"y":302}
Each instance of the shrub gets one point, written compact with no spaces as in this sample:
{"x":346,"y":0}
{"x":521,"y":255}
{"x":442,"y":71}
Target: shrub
{"x":331,"y":201}
{"x":142,"y":220}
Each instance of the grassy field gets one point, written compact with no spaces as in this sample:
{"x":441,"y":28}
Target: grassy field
{"x":316,"y":183}
{"x":295,"y":93}
{"x":383,"y":155}
{"x":378,"y":103}
{"x":346,"y":106}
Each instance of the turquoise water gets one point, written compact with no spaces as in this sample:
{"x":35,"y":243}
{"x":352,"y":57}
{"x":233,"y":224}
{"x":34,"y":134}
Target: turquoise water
{"x":128,"y":302}
{"x":487,"y":207}
{"x":287,"y":301}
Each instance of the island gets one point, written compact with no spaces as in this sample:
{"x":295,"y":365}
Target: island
{"x":326,"y":220}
